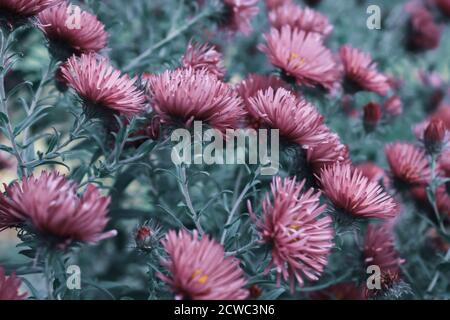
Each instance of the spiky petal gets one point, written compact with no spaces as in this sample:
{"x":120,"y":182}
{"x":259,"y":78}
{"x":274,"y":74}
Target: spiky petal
{"x":290,"y":222}
{"x":352,"y":193}
{"x":198,"y":270}
{"x":302,"y":56}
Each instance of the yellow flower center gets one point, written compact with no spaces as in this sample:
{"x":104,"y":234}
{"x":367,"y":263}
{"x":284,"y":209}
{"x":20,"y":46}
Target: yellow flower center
{"x":203,"y":277}
{"x":294,"y":56}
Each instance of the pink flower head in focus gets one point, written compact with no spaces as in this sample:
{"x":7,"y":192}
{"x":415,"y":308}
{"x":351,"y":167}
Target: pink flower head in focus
{"x":250,"y":86}
{"x":26,"y":8}
{"x":88,"y":36}
{"x":360,"y":72}
{"x":203,"y":56}
{"x":290,"y":223}
{"x":101,"y":86}
{"x":239,"y":14}
{"x":408,"y":164}
{"x":9,"y":287}
{"x":198,"y":269}
{"x":297,"y":120}
{"x":185,"y":95}
{"x":305,"y":19}
{"x":327,"y":153}
{"x":302,"y":56}
{"x":354,"y":194}
{"x":51,"y":205}
{"x":379,"y":249}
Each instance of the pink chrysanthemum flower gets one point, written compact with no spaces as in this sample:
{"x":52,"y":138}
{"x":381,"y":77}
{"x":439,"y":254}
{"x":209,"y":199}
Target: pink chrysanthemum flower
{"x":51,"y":206}
{"x":273,"y":4}
{"x":203,"y":56}
{"x":352,"y":193}
{"x":182,"y":96}
{"x":238,"y":15}
{"x":327,"y":153}
{"x":101,"y":86}
{"x":9,"y":287}
{"x":25,"y":8}
{"x":297,"y":120}
{"x":248,"y":87}
{"x":360,"y":72}
{"x":305,"y":19}
{"x":198,"y":269}
{"x":88,"y":36}
{"x":300,"y":241}
{"x":379,"y":249}
{"x":302,"y":56}
{"x":408,"y":163}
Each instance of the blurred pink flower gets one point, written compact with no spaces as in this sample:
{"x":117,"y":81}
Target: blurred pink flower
{"x":250,"y":86}
{"x":101,"y":86}
{"x":204,"y":56}
{"x":352,"y":193}
{"x":89,"y":36}
{"x":305,"y":19}
{"x":443,"y":163}
{"x":373,"y":172}
{"x":408,"y":163}
{"x":393,"y":106}
{"x":419,"y":193}
{"x":424,"y":33}
{"x":444,"y":6}
{"x":327,"y":153}
{"x":360,"y":72}
{"x":239,"y":14}
{"x":302,"y":56}
{"x":198,"y":269}
{"x":9,"y":287}
{"x":379,"y":249}
{"x":26,"y":8}
{"x":431,"y":79}
{"x":297,"y":120}
{"x":51,"y":205}
{"x":300,"y":241}
{"x":272,"y":4}
{"x":185,"y":95}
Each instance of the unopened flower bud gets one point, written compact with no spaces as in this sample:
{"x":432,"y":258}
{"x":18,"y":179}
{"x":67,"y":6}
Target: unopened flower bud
{"x":372,"y":115}
{"x":143,"y":237}
{"x":434,"y":136}
{"x":255,"y":291}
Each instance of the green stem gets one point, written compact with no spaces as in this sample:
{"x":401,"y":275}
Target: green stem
{"x":170,"y":36}
{"x":184,"y":187}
